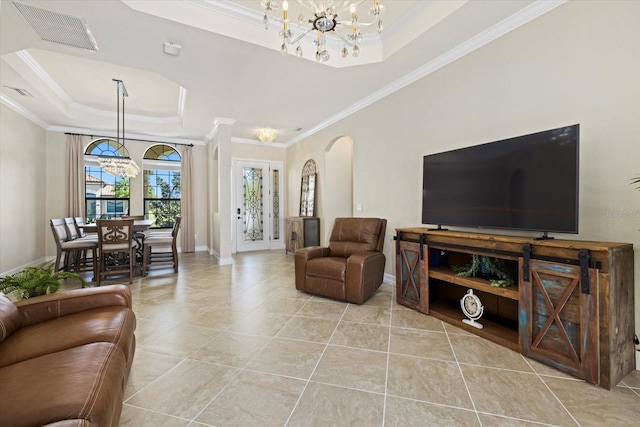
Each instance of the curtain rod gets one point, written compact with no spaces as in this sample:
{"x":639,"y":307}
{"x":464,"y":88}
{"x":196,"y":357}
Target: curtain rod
{"x":130,"y":139}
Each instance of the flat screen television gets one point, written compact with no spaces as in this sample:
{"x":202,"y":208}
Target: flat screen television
{"x":528,"y":182}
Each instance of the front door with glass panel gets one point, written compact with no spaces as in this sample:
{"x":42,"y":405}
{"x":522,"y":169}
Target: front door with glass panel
{"x":257,"y":213}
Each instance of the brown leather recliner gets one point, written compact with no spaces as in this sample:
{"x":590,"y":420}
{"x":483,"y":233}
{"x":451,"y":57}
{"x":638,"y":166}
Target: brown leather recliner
{"x":351,"y":268}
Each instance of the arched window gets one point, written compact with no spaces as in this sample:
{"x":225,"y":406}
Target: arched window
{"x":106,"y":195}
{"x":161,"y":171}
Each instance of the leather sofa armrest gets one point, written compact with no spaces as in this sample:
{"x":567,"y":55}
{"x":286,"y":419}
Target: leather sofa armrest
{"x":301,"y":257}
{"x":366,"y":268}
{"x":46,"y":307}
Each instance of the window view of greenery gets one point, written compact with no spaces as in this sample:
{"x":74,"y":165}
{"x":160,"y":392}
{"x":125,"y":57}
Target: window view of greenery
{"x":162,"y":196}
{"x":161,"y":185}
{"x":106,"y":195}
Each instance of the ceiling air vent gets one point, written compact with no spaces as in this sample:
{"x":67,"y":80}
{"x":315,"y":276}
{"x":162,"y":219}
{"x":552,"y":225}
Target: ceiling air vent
{"x":57,"y":27}
{"x":22,"y":92}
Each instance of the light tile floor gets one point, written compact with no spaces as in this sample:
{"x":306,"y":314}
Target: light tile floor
{"x":238,"y":345}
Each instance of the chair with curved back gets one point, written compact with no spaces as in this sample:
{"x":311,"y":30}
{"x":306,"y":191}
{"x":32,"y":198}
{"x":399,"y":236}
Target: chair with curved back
{"x":71,"y":247}
{"x":116,"y":250}
{"x":351,"y":268}
{"x":161,"y":240}
{"x":81,"y":260}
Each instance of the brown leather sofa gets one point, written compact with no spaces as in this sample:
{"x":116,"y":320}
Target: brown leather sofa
{"x":351,"y":268}
{"x":65,"y":357}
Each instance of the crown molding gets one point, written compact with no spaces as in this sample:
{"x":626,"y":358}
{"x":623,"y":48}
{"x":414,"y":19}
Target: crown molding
{"x":44,"y":76}
{"x":258,"y":142}
{"x":37,"y":69}
{"x":525,"y":15}
{"x":217,"y":122}
{"x":5,"y":100}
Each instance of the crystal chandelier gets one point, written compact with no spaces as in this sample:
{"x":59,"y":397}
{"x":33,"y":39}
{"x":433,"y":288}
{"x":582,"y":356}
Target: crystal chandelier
{"x":324,"y":20}
{"x":266,"y":135}
{"x":124,"y":166}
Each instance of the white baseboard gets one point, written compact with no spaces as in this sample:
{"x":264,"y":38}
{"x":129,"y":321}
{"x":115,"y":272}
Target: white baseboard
{"x":30,"y":264}
{"x":637,"y":360}
{"x":389,"y":279}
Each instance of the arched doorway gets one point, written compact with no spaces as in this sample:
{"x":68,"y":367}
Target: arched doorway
{"x":338,"y":180}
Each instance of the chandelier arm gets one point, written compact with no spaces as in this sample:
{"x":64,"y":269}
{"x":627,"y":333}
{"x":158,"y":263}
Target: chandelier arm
{"x":359,"y":24}
{"x":300,"y":37}
{"x":349,"y":43}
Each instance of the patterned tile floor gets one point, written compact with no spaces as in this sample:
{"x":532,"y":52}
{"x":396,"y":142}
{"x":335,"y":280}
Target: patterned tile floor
{"x":237,"y":345}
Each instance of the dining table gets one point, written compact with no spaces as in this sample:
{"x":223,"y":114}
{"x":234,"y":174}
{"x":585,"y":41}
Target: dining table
{"x":139,"y":227}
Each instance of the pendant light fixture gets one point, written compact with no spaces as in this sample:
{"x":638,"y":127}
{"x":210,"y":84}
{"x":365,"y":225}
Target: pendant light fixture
{"x":124,"y":165}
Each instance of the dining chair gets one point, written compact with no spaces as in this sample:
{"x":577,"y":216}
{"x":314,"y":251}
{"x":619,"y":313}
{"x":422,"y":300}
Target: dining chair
{"x":161,"y":241}
{"x":80,"y":228}
{"x":137,"y":235}
{"x":71,"y":248}
{"x":80,"y":260}
{"x":116,"y":249}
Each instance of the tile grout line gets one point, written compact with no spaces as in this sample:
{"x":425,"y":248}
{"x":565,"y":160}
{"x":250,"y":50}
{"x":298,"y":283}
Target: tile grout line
{"x":549,"y":388}
{"x":243,"y":368}
{"x":304,"y":389}
{"x":386,"y":374}
{"x":464,"y":381}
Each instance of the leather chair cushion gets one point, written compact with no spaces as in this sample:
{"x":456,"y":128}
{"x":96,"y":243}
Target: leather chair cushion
{"x":83,"y":384}
{"x":10,"y":319}
{"x":351,"y":235}
{"x":332,"y":268}
{"x":111,"y":324}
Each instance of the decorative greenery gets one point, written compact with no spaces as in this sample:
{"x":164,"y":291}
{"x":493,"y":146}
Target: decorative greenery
{"x":635,"y":180}
{"x":494,"y":269}
{"x":34,"y":281}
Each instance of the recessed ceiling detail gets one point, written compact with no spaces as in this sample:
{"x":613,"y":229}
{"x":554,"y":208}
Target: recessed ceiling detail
{"x":58,"y":27}
{"x":19,"y":91}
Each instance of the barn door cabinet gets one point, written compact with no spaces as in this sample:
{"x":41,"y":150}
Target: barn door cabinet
{"x":300,"y":232}
{"x":571,"y":306}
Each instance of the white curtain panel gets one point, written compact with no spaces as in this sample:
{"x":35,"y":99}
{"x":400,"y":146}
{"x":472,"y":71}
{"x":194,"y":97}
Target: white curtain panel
{"x":75,"y":176}
{"x":187,"y":238}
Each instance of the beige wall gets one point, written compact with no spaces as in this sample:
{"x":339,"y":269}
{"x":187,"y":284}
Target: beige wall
{"x":576,"y":64}
{"x":23,"y":222}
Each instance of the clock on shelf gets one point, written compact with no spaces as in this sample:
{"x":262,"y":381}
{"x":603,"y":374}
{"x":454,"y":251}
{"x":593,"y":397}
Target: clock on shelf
{"x":472,"y":308}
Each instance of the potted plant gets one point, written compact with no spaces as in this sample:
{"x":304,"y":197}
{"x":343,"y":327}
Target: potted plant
{"x":34,"y":281}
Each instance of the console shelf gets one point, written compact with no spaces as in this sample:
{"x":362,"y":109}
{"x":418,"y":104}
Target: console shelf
{"x":447,"y":275}
{"x":571,"y":306}
{"x":492,"y":331}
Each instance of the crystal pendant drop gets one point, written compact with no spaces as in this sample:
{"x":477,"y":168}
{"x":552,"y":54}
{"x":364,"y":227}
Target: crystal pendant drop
{"x":265,"y":20}
{"x":380,"y":26}
{"x":299,"y":51}
{"x":344,"y":52}
{"x":300,"y":19}
{"x":356,"y":51}
{"x":283,"y":49}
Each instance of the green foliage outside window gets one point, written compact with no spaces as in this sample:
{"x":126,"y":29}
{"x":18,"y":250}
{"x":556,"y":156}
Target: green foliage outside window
{"x":162,"y":196}
{"x":121,"y":187}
